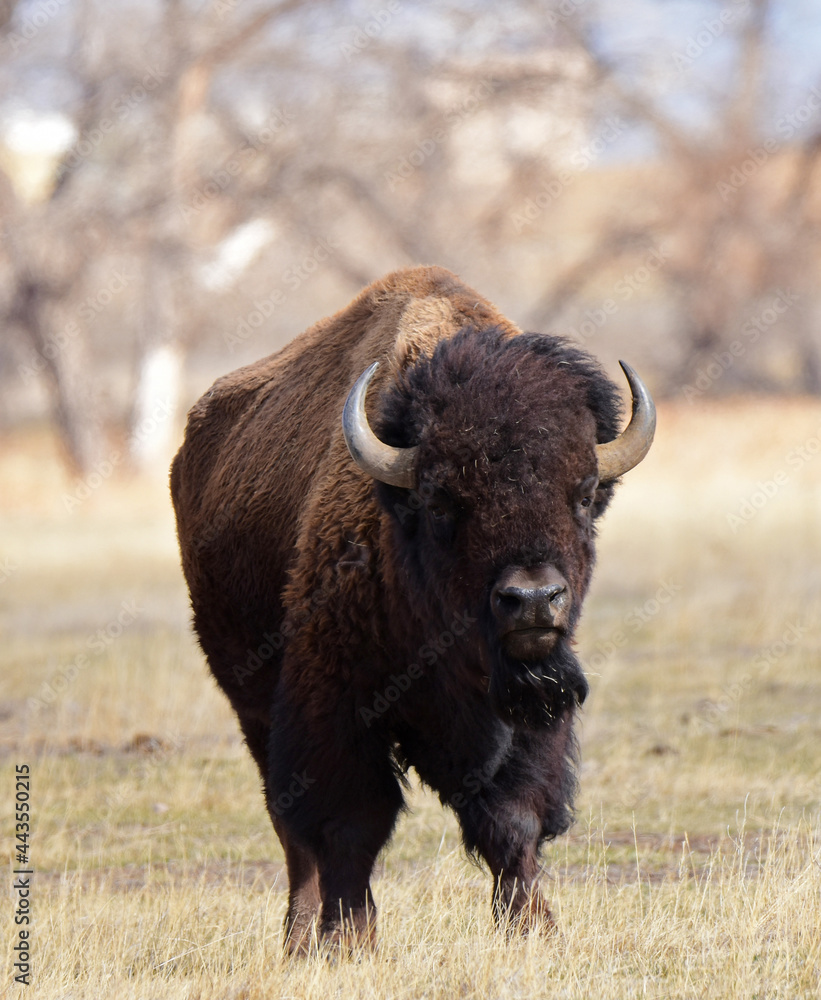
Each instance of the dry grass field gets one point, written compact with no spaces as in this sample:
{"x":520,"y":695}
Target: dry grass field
{"x":694,"y":867}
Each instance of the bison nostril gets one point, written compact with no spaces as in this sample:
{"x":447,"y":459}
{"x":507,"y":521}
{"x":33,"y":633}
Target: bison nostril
{"x":507,"y":603}
{"x":530,"y":598}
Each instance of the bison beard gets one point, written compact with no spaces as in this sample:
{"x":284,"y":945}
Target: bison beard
{"x":539,"y":693}
{"x":430,"y":572}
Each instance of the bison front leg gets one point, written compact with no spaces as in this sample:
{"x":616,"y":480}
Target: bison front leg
{"x":346,"y":846}
{"x":518,"y":904}
{"x":527,"y":800}
{"x":348,"y":908}
{"x":499,"y":823}
{"x":303,"y":875}
{"x":304,"y":900}
{"x":507,"y":838}
{"x":367,"y":801}
{"x":337,"y":799}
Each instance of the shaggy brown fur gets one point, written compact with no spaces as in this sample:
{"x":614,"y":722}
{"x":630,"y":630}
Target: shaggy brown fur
{"x":353,"y":624}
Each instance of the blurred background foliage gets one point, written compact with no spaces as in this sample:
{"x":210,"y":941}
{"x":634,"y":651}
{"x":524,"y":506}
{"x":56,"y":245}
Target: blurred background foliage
{"x":187,"y":184}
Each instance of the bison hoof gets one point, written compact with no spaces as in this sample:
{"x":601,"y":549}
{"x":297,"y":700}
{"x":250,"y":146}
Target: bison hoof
{"x":523,"y":912}
{"x":339,"y":940}
{"x":301,"y":939}
{"x":533,"y":918}
{"x":334,"y":939}
{"x":348,"y":943}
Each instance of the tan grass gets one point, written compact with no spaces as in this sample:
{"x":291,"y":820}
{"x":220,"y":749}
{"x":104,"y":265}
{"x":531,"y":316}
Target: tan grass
{"x":694,"y":869}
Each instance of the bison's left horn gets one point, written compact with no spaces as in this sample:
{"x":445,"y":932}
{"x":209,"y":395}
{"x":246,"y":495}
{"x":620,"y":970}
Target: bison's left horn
{"x":630,"y":447}
{"x":380,"y":460}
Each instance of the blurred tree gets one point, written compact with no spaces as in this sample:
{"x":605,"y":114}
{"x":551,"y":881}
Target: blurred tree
{"x":181,"y":171}
{"x":734,"y":199}
{"x":194,"y":179}
{"x":113,"y":202}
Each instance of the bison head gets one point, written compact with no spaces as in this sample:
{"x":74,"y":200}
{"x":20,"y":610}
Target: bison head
{"x":494,"y":458}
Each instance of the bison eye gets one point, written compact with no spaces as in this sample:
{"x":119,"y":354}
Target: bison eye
{"x":442,"y":517}
{"x":438,"y":512}
{"x":585,"y":496}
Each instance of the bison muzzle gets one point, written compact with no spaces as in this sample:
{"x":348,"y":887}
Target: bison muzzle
{"x":387,"y":529}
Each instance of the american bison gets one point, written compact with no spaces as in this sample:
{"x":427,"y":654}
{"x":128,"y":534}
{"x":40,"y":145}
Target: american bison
{"x":387,"y":529}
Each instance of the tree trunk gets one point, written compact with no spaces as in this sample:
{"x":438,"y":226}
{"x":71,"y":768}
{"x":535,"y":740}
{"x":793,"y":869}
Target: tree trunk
{"x":62,"y":356}
{"x":155,"y":405}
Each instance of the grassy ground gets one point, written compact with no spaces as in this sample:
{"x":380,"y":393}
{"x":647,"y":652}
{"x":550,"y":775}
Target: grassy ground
{"x":694,"y":869}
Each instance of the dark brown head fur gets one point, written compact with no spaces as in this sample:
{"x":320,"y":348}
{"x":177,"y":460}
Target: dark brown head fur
{"x":506,"y":430}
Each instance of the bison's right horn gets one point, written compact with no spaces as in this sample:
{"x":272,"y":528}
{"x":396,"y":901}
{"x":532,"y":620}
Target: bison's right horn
{"x":389,"y":465}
